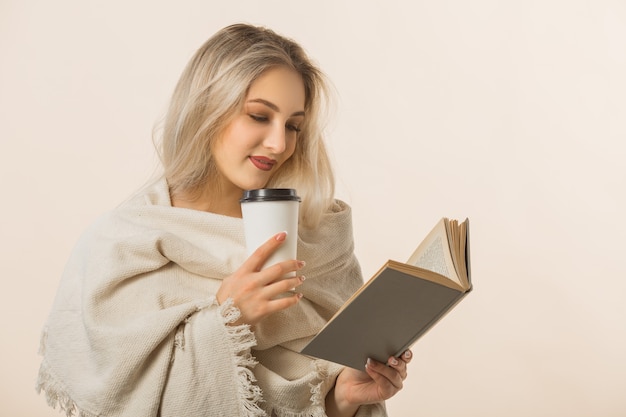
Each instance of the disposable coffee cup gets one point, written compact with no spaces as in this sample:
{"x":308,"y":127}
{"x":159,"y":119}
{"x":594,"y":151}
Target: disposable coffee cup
{"x":269,"y":211}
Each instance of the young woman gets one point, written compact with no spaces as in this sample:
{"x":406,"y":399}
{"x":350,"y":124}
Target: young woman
{"x":159,"y":313}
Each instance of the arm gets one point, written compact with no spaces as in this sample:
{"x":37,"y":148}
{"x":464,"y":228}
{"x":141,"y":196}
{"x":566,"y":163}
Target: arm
{"x":213,"y":345}
{"x":335,"y":407}
{"x":215,"y":354}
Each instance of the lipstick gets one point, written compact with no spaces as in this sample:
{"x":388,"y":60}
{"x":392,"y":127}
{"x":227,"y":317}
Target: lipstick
{"x":263,"y":163}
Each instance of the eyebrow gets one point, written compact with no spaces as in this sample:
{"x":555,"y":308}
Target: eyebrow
{"x":274,"y":106}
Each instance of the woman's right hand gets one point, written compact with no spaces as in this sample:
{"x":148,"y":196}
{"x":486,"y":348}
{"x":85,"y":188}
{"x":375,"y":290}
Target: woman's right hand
{"x":255,"y":291}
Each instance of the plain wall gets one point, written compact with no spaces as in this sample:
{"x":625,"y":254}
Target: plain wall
{"x":511,"y":113}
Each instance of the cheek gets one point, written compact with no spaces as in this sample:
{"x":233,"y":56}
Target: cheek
{"x":291,"y":147}
{"x":235,"y":142}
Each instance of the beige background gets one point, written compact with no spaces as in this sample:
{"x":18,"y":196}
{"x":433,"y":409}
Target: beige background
{"x":509,"y":112}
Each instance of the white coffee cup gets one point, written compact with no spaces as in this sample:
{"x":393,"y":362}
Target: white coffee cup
{"x":269,"y":211}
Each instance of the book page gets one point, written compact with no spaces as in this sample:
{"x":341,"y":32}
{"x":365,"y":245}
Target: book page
{"x":462,"y":248}
{"x":434,"y":253}
{"x":451,"y":229}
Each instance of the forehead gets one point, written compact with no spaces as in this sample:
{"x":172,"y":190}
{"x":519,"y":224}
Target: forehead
{"x":281,"y":86}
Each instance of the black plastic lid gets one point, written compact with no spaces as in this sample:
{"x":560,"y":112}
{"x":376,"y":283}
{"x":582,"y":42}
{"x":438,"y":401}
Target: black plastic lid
{"x":270,"y":194}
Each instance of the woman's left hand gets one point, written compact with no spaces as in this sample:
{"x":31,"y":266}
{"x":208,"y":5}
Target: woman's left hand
{"x":379,"y":382}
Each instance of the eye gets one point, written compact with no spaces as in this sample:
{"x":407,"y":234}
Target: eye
{"x":258,"y":118}
{"x":293,"y":128}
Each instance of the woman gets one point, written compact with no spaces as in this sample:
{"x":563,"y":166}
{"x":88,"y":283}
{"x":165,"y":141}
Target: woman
{"x":159,"y":312}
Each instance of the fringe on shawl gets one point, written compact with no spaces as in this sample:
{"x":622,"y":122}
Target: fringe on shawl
{"x":243,"y":339}
{"x":56,"y":394}
{"x":318,"y":398}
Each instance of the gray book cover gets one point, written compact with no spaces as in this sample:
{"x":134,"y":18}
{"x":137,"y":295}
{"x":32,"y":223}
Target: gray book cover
{"x":384,"y":319}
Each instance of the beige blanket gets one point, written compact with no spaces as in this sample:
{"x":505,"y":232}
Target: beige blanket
{"x":135,"y":329}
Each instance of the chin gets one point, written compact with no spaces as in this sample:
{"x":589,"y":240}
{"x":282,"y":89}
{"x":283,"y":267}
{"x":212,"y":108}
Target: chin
{"x":253,"y":185}
{"x":253,"y":180}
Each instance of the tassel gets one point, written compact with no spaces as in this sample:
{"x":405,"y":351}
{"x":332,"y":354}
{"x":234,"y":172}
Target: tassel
{"x":243,"y":339}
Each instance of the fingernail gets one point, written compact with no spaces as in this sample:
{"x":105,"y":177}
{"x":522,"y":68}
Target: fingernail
{"x":368,"y":362}
{"x":281,"y":236}
{"x":393,"y":361}
{"x":299,"y":295}
{"x":302,"y":278}
{"x":408,"y":354}
{"x":301,"y":264}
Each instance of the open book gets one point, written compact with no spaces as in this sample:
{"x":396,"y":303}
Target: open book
{"x":401,"y":302}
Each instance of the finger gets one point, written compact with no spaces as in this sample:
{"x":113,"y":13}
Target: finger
{"x":280,"y":271}
{"x":399,"y":365}
{"x":263,"y":252}
{"x":281,"y":286}
{"x":384,"y":375}
{"x":282,"y":303}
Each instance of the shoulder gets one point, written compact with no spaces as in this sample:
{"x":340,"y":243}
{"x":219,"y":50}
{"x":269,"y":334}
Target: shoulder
{"x":144,"y":210}
{"x":334,"y":228}
{"x":336,"y":218}
{"x":339,"y":206}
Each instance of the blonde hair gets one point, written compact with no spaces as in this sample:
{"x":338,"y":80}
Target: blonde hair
{"x":212,"y":90}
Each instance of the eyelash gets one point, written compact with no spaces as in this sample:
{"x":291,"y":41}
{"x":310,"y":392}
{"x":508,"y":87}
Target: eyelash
{"x":263,"y":119}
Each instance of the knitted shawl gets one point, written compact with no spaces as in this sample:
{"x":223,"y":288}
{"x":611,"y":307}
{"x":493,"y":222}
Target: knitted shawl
{"x":135,"y":328}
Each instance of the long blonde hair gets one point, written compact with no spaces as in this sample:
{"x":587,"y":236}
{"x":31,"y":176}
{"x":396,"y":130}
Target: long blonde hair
{"x":211,"y":91}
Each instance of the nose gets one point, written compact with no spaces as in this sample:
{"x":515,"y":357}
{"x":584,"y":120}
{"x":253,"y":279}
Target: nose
{"x":275,"y":140}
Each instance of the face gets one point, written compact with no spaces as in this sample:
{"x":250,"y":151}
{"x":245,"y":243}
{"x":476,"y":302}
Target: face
{"x":264,"y":135}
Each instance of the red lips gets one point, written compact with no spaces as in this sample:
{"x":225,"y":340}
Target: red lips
{"x":263,"y":163}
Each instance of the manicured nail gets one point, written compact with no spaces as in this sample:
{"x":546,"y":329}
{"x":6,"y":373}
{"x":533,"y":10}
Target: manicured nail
{"x":408,"y":354}
{"x":393,"y":361}
{"x":281,"y":236}
{"x":301,"y":264}
{"x":302,"y":278}
{"x":299,"y":295}
{"x":368,"y":363}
